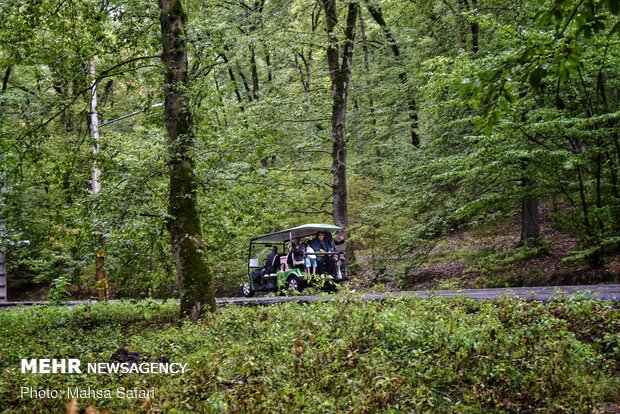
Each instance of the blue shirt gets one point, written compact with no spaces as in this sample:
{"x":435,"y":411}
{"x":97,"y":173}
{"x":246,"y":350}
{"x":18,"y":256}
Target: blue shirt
{"x":317,"y":245}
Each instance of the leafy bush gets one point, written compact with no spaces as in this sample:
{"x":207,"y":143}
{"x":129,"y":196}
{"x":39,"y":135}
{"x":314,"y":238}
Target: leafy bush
{"x":450,"y":284}
{"x":58,"y":293}
{"x":340,"y":356}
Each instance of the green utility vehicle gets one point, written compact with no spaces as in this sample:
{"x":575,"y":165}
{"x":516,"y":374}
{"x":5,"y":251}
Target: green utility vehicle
{"x":269,"y":270}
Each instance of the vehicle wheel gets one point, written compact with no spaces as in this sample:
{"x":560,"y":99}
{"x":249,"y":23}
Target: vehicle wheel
{"x":247,"y":290}
{"x":295,"y":284}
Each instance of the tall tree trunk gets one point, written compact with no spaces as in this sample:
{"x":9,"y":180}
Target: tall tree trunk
{"x":195,"y":281}
{"x":614,"y":163}
{"x":3,"y":281}
{"x":233,"y":79}
{"x":246,"y":84}
{"x":93,"y":123}
{"x":530,"y":221}
{"x":305,"y":71}
{"x":596,"y":258}
{"x":340,"y":74}
{"x":369,"y":85}
{"x":254,"y":70}
{"x":5,"y":80}
{"x":473,"y":27}
{"x":268,"y":63}
{"x":412,"y":105}
{"x":223,"y":122}
{"x":93,"y":126}
{"x":304,"y":68}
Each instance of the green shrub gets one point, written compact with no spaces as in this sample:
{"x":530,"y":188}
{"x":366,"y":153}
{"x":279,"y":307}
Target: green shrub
{"x":58,"y":292}
{"x":345,"y":355}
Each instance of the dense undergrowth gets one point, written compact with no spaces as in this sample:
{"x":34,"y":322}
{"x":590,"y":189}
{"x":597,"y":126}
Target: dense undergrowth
{"x":342,"y":356}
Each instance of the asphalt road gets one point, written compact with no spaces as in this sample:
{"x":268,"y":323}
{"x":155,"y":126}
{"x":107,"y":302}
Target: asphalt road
{"x":541,"y":293}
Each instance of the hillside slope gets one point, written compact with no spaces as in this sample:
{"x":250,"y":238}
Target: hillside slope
{"x":490,"y":256}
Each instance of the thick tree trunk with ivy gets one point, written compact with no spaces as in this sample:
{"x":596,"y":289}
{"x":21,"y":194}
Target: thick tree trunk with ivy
{"x":195,"y":280}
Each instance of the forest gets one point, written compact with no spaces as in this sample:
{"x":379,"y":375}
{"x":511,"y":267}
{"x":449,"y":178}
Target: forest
{"x":160,"y":137}
{"x":456,"y":144}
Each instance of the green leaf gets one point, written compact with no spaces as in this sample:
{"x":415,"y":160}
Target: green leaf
{"x":466,"y":86}
{"x":580,"y":20}
{"x":511,"y":99}
{"x":536,"y":77}
{"x":563,"y":72}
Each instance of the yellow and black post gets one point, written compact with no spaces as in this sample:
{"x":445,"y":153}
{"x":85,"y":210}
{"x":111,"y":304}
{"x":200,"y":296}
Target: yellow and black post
{"x":102,"y":275}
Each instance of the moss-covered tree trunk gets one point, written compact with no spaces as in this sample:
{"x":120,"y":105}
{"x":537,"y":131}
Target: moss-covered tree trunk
{"x":340,"y":74}
{"x":195,"y":281}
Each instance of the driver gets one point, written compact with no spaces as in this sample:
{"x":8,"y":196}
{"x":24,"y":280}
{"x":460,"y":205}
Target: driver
{"x":272,"y":262}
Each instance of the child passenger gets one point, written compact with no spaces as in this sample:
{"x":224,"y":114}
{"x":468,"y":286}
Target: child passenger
{"x":310,"y":260}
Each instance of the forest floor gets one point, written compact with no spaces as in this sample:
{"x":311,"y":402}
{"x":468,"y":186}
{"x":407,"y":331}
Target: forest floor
{"x":489,"y":256}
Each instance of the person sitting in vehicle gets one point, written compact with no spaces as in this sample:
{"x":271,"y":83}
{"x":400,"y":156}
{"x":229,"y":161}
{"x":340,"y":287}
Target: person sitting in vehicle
{"x":272,"y":262}
{"x":336,"y":263}
{"x":320,"y":245}
{"x":340,"y":239}
{"x":310,"y":259}
{"x":295,"y":257}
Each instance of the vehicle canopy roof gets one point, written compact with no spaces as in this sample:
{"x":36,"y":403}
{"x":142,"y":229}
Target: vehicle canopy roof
{"x":295,"y":233}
